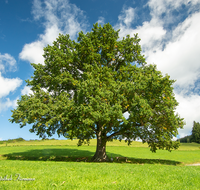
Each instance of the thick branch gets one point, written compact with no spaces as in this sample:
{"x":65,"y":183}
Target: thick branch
{"x":114,"y":134}
{"x":121,"y":132}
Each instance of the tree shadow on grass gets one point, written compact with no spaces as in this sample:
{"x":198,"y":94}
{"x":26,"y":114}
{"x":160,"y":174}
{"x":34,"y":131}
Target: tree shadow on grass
{"x":51,"y":154}
{"x":131,"y":160}
{"x":75,"y":155}
{"x":152,"y":161}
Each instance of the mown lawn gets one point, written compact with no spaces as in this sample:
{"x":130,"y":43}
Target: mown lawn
{"x":53,"y":165}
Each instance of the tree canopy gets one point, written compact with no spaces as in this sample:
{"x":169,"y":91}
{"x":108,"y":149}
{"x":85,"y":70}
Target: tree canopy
{"x":85,"y":88}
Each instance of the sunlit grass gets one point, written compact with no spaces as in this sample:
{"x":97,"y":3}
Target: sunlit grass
{"x":67,"y":150}
{"x":184,"y":146}
{"x":81,"y":175}
{"x":71,"y":142}
{"x":53,"y":164}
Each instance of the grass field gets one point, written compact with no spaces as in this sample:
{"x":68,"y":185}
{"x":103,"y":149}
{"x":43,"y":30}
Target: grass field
{"x":60,"y":164}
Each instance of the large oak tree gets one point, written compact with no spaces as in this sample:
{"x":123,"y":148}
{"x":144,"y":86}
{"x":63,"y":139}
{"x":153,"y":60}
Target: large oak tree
{"x":86,"y":86}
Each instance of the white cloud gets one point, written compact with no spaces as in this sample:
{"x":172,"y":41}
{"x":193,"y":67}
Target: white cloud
{"x":33,"y":52}
{"x":180,"y":58}
{"x":163,"y":6}
{"x":101,"y":20}
{"x":37,"y":9}
{"x":127,"y":16}
{"x":8,"y":85}
{"x":151,"y":33}
{"x":168,"y":11}
{"x":188,"y":108}
{"x":7,"y":63}
{"x":69,"y":21}
{"x":125,"y":19}
{"x":8,"y":104}
{"x":26,"y":90}
{"x":175,"y":50}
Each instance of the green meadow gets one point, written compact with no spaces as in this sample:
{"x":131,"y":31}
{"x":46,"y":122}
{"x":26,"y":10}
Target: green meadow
{"x":61,"y":164}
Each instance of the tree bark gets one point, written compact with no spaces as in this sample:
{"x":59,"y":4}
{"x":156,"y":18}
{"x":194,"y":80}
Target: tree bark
{"x":100,"y":155}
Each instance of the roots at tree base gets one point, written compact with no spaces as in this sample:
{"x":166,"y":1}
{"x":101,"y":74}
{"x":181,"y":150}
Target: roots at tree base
{"x":99,"y":157}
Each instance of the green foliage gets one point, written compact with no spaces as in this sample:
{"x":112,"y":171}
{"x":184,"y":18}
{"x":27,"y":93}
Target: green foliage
{"x":85,"y":87}
{"x":12,"y":140}
{"x":195,"y":137}
{"x":19,"y":139}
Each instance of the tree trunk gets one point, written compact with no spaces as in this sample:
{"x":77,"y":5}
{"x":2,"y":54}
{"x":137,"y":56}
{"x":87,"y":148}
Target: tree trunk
{"x":100,"y":155}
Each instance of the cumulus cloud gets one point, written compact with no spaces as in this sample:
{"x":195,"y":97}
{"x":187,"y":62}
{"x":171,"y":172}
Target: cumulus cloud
{"x":188,"y":108}
{"x":163,"y":8}
{"x":70,"y":20}
{"x":7,"y":63}
{"x":4,"y":105}
{"x":151,"y":33}
{"x":127,"y":16}
{"x":33,"y":52}
{"x":8,"y":85}
{"x":125,"y":19}
{"x":180,"y":58}
{"x":26,"y":90}
{"x":101,"y":20}
{"x":170,"y":39}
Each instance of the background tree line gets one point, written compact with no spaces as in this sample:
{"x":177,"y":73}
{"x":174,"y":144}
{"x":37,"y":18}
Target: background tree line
{"x":195,"y":136}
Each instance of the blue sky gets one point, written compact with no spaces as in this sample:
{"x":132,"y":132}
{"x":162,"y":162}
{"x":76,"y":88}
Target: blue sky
{"x":169,"y":32}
